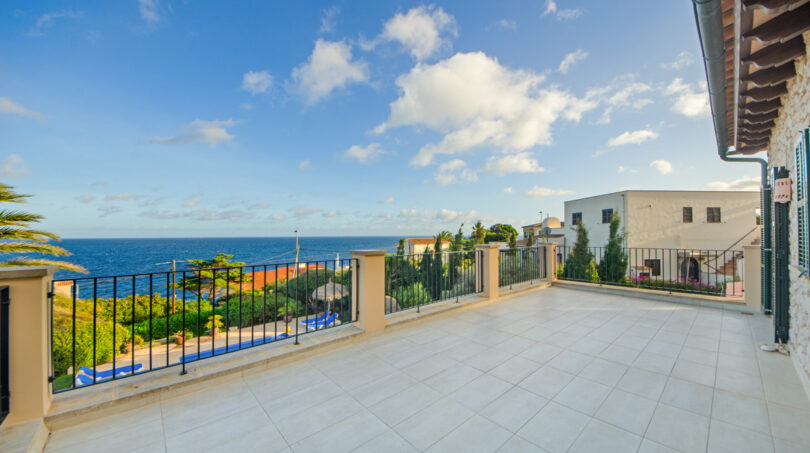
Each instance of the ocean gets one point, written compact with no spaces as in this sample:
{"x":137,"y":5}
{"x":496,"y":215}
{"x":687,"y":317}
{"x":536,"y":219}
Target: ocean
{"x":109,"y":257}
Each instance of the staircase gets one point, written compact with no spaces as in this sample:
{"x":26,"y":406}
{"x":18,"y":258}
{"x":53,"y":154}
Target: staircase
{"x":732,"y":265}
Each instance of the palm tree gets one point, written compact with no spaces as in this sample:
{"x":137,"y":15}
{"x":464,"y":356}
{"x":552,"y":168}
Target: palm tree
{"x":16,"y":237}
{"x":479,"y":232}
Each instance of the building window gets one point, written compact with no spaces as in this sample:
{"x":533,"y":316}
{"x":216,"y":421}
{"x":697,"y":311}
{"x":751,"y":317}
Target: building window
{"x":803,"y":199}
{"x":654,"y":266}
{"x":713,"y":215}
{"x":687,"y":214}
{"x":576,"y":218}
{"x":607,"y":214}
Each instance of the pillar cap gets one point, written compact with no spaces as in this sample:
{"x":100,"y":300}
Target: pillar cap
{"x":7,"y":273}
{"x":368,"y":252}
{"x":487,"y":246}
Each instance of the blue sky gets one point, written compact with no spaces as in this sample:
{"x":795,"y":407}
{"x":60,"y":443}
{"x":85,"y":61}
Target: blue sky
{"x":159,"y":119}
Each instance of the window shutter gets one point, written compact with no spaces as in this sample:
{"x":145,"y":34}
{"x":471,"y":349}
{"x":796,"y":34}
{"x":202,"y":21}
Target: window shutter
{"x":802,"y":198}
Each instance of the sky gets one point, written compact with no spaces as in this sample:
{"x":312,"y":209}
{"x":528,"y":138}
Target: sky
{"x":150,"y":118}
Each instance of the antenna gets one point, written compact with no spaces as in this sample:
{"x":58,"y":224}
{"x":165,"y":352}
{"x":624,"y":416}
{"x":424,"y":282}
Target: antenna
{"x":296,"y":253}
{"x":174,"y":280}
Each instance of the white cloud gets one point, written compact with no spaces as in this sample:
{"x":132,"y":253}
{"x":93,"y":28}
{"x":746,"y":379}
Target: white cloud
{"x":211,"y":133}
{"x":681,"y":61}
{"x":329,"y":19}
{"x":623,"y":169}
{"x":191,"y":202}
{"x":200,"y":214}
{"x":47,"y":20}
{"x":512,"y":163}
{"x":246,"y":106}
{"x":277,"y":217}
{"x":663,"y":166}
{"x":331,"y":213}
{"x":423,"y":31}
{"x":561,"y":14}
{"x":502,"y":24}
{"x":508,"y":190}
{"x":300,"y":211}
{"x":623,"y":92}
{"x":13,"y":166}
{"x":570,"y":59}
{"x":690,"y":100}
{"x":475,"y":101}
{"x":444,"y":216}
{"x":108,"y":210}
{"x":388,"y":200}
{"x":634,"y":137}
{"x":261,"y":205}
{"x":539,"y":192}
{"x":744,"y":183}
{"x":330,"y":67}
{"x":85,"y":198}
{"x":256,"y":82}
{"x":11,"y":108}
{"x":122,"y":196}
{"x":150,"y":11}
{"x":305,"y":165}
{"x":454,"y":171}
{"x":365,"y":155}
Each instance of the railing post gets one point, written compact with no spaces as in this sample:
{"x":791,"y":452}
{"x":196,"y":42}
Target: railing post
{"x":551,"y":261}
{"x":370,"y":293}
{"x":29,"y":342}
{"x":752,"y":275}
{"x":490,"y":269}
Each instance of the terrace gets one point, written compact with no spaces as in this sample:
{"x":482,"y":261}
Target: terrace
{"x":483,"y":350}
{"x":543,"y":370}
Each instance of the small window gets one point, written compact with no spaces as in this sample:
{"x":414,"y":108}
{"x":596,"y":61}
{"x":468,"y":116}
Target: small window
{"x":576,"y":218}
{"x":687,"y":214}
{"x":607,"y":215}
{"x":713,"y":215}
{"x":654,"y":266}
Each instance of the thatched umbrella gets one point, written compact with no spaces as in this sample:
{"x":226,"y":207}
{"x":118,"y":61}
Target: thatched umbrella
{"x":330,"y":292}
{"x":391,"y":305}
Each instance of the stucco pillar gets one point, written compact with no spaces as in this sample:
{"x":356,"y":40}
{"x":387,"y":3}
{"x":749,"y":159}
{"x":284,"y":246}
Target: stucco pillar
{"x":752,"y":275}
{"x":551,"y":261}
{"x":29,"y":341}
{"x":370,"y":293}
{"x":490,"y":269}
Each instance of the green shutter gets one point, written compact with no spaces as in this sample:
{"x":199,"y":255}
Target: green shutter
{"x":802,"y":198}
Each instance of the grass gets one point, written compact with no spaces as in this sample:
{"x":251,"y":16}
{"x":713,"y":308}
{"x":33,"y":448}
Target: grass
{"x":62,"y":382}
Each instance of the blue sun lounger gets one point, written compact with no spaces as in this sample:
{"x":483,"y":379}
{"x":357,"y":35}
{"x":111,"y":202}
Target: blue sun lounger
{"x":326,"y":322}
{"x":85,"y":375}
{"x":205,"y":353}
{"x":316,"y":319}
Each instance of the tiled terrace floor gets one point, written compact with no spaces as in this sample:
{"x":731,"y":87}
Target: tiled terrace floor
{"x":550,"y":370}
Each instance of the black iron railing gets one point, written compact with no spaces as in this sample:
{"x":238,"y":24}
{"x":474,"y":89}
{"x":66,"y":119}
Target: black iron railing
{"x":701,"y":271}
{"x":413,"y":281}
{"x":5,"y":333}
{"x":108,"y":328}
{"x":521,"y":265}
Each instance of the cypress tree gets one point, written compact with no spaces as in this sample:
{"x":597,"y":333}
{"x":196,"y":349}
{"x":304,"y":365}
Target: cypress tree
{"x":613,"y":266}
{"x":577,"y":265}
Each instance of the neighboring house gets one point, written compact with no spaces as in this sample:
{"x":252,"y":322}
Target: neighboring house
{"x":758,"y":73}
{"x":673,"y":234}
{"x":415,"y":246}
{"x":551,"y":229}
{"x":257,"y":280}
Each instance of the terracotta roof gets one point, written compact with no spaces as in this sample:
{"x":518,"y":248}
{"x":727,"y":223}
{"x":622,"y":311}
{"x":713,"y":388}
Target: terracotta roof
{"x":259,"y":279}
{"x":425,"y":241}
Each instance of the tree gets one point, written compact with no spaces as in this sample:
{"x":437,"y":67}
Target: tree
{"x":458,"y":240}
{"x":503,"y":228}
{"x":530,"y":240}
{"x":479,"y":232}
{"x":512,"y":241}
{"x":613,"y":266}
{"x":16,"y":237}
{"x":216,"y":276}
{"x":577,"y":265}
{"x":401,"y":247}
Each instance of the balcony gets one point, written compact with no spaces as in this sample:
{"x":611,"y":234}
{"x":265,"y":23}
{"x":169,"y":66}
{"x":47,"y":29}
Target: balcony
{"x":547,"y":369}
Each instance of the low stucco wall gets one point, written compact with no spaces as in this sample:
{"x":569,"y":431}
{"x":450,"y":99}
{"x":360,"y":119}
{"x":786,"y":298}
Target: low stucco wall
{"x":794,"y":117}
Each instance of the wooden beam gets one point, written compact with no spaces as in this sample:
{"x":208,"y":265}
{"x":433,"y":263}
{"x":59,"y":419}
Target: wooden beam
{"x":771,"y":6}
{"x":766,"y":93}
{"x":754,"y":142}
{"x":744,"y":134}
{"x":747,"y":150}
{"x":763,"y":118}
{"x":771,"y":76}
{"x":754,"y":128}
{"x":762,"y":106}
{"x":776,"y":54}
{"x":782,"y":27}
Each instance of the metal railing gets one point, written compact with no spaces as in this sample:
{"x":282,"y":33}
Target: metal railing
{"x":5,"y":394}
{"x":109,"y":328}
{"x":413,"y":281}
{"x":520,"y":265}
{"x":700,"y":271}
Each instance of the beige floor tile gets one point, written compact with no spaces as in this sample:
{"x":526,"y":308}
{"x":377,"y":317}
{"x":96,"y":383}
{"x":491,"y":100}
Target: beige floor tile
{"x":554,"y":428}
{"x":627,"y":411}
{"x":250,"y":430}
{"x":514,"y":408}
{"x":546,"y":381}
{"x":388,"y":442}
{"x":432,"y":423}
{"x":643,"y":383}
{"x":678,"y":429}
{"x":515,"y":369}
{"x":404,"y":404}
{"x":728,"y":438}
{"x":477,"y":434}
{"x":688,"y":395}
{"x":517,"y":444}
{"x":583,"y":395}
{"x":600,"y":437}
{"x":741,"y":410}
{"x":343,"y":436}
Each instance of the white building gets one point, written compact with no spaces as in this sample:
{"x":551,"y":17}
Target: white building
{"x":672,"y":234}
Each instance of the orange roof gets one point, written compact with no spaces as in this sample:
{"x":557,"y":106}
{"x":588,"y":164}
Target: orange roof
{"x":423,"y":241}
{"x":259,"y":279}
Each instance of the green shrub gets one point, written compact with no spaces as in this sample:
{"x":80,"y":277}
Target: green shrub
{"x":63,"y":342}
{"x":410,"y":296}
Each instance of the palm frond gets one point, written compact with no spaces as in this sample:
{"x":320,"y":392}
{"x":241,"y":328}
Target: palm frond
{"x":32,"y":247}
{"x":26,"y":235}
{"x":17,"y":218}
{"x":40,"y":262}
{"x":7,"y":195}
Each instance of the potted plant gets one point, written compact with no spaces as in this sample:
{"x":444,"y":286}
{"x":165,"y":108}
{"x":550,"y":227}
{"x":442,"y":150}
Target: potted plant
{"x":214,"y":324}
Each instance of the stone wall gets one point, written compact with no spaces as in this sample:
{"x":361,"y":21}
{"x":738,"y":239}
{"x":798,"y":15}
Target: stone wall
{"x":794,"y":117}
